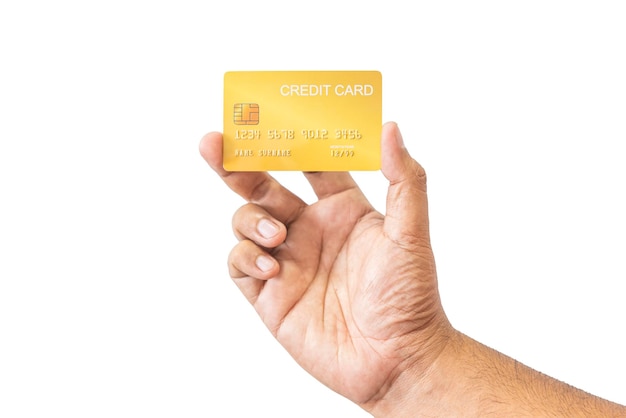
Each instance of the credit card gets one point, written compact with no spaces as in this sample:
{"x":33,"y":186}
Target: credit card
{"x":302,"y":120}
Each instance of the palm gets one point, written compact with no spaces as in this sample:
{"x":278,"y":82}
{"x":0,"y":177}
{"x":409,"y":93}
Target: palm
{"x":342,"y":319}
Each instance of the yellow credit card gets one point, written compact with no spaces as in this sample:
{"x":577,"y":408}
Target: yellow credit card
{"x":302,"y":120}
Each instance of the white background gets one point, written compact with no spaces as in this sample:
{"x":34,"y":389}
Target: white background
{"x":114,"y":294}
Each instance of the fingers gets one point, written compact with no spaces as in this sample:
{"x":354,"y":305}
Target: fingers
{"x":254,"y":223}
{"x":250,"y":267}
{"x":249,"y":264}
{"x":256,"y":187}
{"x":256,"y":230}
{"x":248,"y":260}
{"x":327,"y":183}
{"x":407,"y":204}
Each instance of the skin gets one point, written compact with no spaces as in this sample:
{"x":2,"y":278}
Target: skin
{"x":352,"y":295}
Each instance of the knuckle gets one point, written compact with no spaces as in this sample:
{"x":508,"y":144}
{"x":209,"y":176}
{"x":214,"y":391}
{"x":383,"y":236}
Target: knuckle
{"x":244,"y":219}
{"x":236,"y":259}
{"x":419,"y":174}
{"x":242,"y":213}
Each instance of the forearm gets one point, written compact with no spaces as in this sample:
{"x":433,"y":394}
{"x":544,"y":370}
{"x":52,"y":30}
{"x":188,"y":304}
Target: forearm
{"x":469,"y":379}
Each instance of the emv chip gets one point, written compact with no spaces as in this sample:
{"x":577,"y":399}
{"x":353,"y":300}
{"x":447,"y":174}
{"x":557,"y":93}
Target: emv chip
{"x":246,"y":114}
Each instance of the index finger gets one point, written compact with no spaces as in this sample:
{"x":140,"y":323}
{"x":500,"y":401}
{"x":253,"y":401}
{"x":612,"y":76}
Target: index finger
{"x":256,"y":187}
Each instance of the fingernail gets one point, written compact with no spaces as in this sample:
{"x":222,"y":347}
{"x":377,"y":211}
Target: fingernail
{"x":264,"y":263}
{"x":267,"y":228}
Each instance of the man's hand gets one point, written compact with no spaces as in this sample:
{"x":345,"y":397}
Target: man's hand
{"x":350,"y":293}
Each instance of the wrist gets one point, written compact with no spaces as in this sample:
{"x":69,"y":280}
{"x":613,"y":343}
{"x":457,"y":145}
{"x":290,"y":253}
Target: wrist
{"x":423,"y":380}
{"x":469,"y":379}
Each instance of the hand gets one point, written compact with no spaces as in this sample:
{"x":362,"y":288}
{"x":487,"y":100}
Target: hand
{"x":350,"y":293}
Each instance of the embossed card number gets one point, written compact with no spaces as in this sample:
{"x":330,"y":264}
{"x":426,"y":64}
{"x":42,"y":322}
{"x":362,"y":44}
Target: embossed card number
{"x":302,"y":120}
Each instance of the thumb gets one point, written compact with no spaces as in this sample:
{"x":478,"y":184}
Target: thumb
{"x":406,"y":219}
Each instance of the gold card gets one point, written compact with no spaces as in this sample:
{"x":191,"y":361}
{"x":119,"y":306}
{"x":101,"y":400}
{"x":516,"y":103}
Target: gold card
{"x":302,"y":120}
